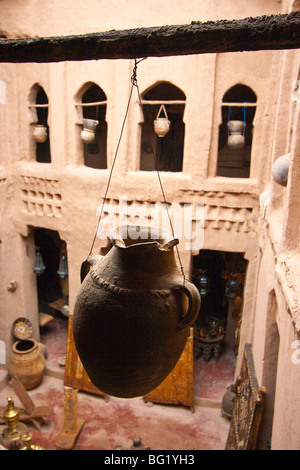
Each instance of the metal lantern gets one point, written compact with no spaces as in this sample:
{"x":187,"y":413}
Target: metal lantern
{"x":231,"y":288}
{"x":201,"y":282}
{"x":39,"y":267}
{"x":203,"y":285}
{"x":63,"y":267}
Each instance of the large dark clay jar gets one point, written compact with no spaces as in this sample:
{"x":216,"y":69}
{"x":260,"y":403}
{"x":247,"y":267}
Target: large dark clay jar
{"x":133,"y":313}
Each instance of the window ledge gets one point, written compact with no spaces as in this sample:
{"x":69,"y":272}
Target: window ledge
{"x":237,"y":185}
{"x":39,"y":170}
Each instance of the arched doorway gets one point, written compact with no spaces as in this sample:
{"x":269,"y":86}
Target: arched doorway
{"x":220,"y":278}
{"x":52,"y":293}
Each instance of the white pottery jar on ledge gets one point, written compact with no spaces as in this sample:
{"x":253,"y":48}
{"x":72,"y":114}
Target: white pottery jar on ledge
{"x":40,"y":133}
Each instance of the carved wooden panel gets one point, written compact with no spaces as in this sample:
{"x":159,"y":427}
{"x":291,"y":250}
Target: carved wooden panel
{"x":178,"y":387}
{"x":248,"y":407}
{"x":75,"y":374}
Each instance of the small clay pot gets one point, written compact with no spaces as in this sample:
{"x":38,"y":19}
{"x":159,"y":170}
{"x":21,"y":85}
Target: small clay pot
{"x":161,"y":124}
{"x":280,"y":169}
{"x":236,"y":140}
{"x":88,"y":132}
{"x":27,"y":362}
{"x":40,"y":133}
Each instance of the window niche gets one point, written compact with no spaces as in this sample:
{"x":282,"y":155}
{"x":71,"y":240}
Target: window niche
{"x":167,"y":150}
{"x":92,"y":113}
{"x":236,"y":132}
{"x":39,"y":107}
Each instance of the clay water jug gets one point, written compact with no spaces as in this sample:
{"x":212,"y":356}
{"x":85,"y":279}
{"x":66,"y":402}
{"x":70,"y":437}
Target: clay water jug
{"x":133,"y":312}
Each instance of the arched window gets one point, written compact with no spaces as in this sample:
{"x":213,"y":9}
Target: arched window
{"x":93,"y":109}
{"x":41,"y":133}
{"x":236,"y":132}
{"x":168,"y":150}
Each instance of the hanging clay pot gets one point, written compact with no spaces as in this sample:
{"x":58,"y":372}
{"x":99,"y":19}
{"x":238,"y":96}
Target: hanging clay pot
{"x":161,"y":124}
{"x":27,"y":362}
{"x":133,"y":313}
{"x":236,"y":139}
{"x":280,"y":169}
{"x":40,"y":133}
{"x":88,"y":132}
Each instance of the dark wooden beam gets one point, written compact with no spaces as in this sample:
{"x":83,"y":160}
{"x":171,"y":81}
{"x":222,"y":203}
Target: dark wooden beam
{"x":275,"y":32}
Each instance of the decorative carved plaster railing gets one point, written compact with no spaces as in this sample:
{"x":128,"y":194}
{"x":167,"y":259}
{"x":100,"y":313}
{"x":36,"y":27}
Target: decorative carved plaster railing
{"x":217,"y":215}
{"x":41,"y":196}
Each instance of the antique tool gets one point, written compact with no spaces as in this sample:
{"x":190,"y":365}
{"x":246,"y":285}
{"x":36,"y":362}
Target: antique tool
{"x":28,"y":446}
{"x":71,"y":424}
{"x":35,"y":413}
{"x":11,"y":434}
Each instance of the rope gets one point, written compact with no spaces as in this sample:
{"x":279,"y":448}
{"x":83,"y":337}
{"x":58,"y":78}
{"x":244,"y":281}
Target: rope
{"x":134,"y":83}
{"x":156,"y":167}
{"x":111,"y":170}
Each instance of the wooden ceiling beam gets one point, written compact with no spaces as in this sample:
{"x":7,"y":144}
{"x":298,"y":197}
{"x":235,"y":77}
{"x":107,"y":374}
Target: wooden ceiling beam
{"x":275,"y":32}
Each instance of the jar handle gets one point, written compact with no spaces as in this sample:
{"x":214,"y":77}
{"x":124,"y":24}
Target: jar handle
{"x":87,"y":263}
{"x":194,"y":304}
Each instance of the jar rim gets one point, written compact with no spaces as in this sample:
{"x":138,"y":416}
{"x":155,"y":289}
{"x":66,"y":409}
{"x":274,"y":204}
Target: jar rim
{"x":24,"y":346}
